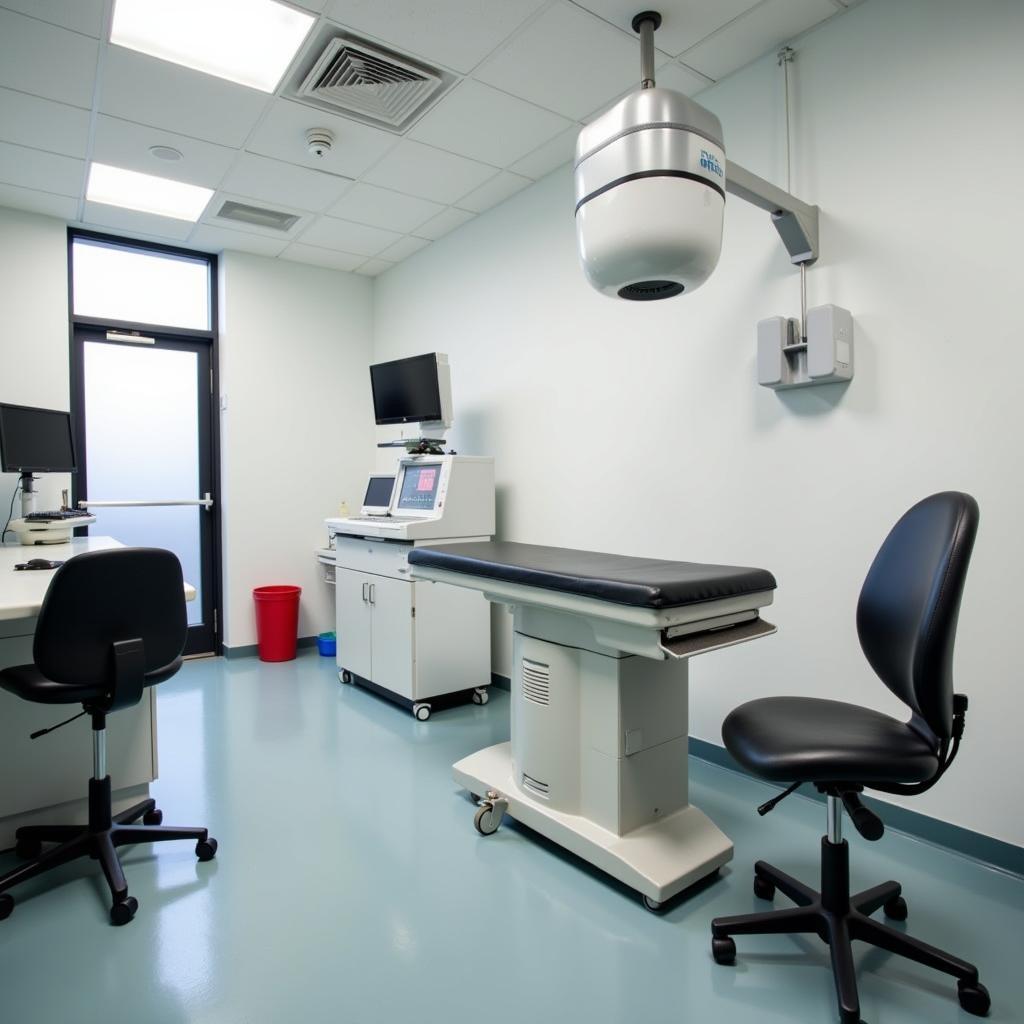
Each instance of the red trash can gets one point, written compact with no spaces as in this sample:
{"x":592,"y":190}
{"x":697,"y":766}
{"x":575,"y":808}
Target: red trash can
{"x":277,"y":622}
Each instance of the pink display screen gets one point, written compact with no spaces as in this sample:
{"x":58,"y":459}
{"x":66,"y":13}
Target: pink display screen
{"x":419,"y":488}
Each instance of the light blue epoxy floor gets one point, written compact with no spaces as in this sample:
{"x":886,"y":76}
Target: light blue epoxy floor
{"x":351,"y":887}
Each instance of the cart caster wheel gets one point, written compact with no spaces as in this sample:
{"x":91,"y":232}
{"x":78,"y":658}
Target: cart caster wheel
{"x":480,"y":697}
{"x":723,"y":950}
{"x":6,"y":906}
{"x":896,"y":909}
{"x":654,"y":906}
{"x":974,"y":998}
{"x":206,"y":849}
{"x":763,"y":889}
{"x":153,"y":817}
{"x":345,"y":676}
{"x":124,"y":910}
{"x":485,"y":820}
{"x":28,"y":849}
{"x":421,"y":711}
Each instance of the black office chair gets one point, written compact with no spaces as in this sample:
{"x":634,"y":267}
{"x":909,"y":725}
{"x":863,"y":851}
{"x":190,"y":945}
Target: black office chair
{"x":112,"y":623}
{"x":906,"y":620}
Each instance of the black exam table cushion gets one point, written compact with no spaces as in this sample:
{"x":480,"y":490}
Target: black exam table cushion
{"x":620,"y":579}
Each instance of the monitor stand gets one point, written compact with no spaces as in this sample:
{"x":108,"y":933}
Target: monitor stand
{"x":28,"y":495}
{"x":416,"y":445}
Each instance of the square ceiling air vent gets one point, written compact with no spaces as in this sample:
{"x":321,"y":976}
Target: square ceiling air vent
{"x":358,"y":80}
{"x":262,"y":217}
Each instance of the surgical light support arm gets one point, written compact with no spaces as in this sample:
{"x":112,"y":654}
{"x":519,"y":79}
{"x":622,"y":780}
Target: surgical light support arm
{"x":795,"y":220}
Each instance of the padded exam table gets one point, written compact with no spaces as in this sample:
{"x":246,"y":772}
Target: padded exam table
{"x":597,"y":761}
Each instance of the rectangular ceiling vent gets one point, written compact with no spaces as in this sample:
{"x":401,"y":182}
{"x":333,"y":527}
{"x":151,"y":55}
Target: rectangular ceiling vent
{"x":355,"y":79}
{"x":276,"y":220}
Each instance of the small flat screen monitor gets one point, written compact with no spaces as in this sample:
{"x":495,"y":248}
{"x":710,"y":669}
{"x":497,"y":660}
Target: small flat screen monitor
{"x":378,"y":494}
{"x":35,"y":440}
{"x":406,"y":390}
{"x":419,"y":488}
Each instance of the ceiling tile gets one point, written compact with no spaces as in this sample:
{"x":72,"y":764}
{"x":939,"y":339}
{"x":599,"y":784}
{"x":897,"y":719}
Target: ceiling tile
{"x":346,"y":235}
{"x":274,"y":181}
{"x":126,"y":144}
{"x":79,"y":15}
{"x":135,"y":222}
{"x":62,"y":207}
{"x":311,"y":5}
{"x":566,"y":60}
{"x":456,"y":33}
{"x":428,"y":173}
{"x":301,"y":253}
{"x":46,"y":61}
{"x":283,"y":135}
{"x":486,"y":124}
{"x":681,"y":78}
{"x":403,"y":247}
{"x":216,"y":204}
{"x":383,"y":208}
{"x":492,"y":192}
{"x":43,"y":124}
{"x":48,"y":172}
{"x":216,"y":239}
{"x":139,"y":88}
{"x":371,"y":268}
{"x":544,"y":159}
{"x":443,"y":223}
{"x":756,"y":33}
{"x":684,"y":23}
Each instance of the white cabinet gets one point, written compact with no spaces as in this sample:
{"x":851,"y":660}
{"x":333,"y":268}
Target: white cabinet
{"x":417,"y":641}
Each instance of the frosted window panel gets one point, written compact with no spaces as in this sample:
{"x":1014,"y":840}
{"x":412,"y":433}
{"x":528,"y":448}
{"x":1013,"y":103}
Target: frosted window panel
{"x":142,"y":444}
{"x":140,"y":287}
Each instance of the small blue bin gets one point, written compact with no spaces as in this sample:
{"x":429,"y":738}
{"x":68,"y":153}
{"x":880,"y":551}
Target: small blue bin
{"x":327,"y":644}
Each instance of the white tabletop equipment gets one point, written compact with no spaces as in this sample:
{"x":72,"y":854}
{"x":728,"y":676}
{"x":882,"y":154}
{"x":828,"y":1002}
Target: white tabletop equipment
{"x":598,"y":756}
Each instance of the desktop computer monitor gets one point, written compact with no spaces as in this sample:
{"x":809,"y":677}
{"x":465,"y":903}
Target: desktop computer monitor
{"x":35,"y":440}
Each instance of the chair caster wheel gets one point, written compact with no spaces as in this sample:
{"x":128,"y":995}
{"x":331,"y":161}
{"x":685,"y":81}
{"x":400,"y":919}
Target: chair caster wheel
{"x":6,"y":905}
{"x":723,"y":950}
{"x":153,"y":817}
{"x":763,"y":889}
{"x":653,"y":905}
{"x":206,"y":849}
{"x":124,"y":910}
{"x":974,"y":998}
{"x":28,"y":849}
{"x":896,"y":909}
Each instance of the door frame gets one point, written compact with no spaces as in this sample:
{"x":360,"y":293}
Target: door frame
{"x":208,"y":637}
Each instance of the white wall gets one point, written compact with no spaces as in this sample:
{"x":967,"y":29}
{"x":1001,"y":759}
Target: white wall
{"x":638,"y":428}
{"x":297,"y":430}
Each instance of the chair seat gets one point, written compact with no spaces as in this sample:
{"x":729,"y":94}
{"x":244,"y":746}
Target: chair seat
{"x":803,"y":739}
{"x":28,"y":683}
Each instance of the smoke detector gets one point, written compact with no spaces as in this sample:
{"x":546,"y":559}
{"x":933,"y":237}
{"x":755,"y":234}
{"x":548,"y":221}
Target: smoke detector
{"x":319,"y":141}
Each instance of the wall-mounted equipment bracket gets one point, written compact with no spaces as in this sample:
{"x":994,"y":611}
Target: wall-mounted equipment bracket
{"x":795,"y":220}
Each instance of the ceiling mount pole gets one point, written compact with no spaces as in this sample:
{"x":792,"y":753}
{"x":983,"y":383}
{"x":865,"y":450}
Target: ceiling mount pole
{"x":646,"y":23}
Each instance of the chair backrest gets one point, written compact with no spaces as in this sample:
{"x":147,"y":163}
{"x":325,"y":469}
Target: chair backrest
{"x":101,"y":597}
{"x":908,"y":607}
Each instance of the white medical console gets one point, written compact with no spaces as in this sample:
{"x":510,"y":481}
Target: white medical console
{"x":413,"y":641}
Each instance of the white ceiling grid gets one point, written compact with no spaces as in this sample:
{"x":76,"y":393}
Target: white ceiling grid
{"x":528,"y":74}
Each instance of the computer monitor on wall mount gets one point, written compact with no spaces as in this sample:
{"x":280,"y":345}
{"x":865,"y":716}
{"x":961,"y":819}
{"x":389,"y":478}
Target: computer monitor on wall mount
{"x":413,"y":390}
{"x":35,"y":441}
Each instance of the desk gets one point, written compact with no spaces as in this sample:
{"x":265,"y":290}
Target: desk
{"x":44,"y":780}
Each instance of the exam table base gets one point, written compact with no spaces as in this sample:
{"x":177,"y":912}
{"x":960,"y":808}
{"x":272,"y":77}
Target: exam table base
{"x":659,"y":859}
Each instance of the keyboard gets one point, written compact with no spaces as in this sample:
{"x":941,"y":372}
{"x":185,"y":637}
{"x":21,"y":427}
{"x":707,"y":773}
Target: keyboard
{"x":66,"y":513}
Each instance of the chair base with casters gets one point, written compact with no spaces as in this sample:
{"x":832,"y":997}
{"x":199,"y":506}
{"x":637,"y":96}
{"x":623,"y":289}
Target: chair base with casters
{"x":839,"y":918}
{"x":99,"y":839}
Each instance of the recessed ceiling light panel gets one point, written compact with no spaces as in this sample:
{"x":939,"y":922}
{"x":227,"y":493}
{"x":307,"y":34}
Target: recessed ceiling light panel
{"x":251,"y":42}
{"x":146,"y":192}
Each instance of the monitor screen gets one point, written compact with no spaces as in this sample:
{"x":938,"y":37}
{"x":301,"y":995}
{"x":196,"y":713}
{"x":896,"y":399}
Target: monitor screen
{"x":378,"y":492}
{"x":419,"y":488}
{"x":35,"y":440}
{"x":406,"y":390}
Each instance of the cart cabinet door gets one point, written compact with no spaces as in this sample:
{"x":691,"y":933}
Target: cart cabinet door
{"x":393,"y":650}
{"x":355,"y":622}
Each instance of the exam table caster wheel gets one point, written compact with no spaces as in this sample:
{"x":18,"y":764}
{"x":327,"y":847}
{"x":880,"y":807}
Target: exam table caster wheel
{"x":345,"y":676}
{"x":124,"y":910}
{"x":27,"y":849}
{"x":153,"y":817}
{"x":763,"y":889}
{"x":421,"y":711}
{"x":480,"y":696}
{"x":654,"y":906}
{"x":489,"y":814}
{"x":206,"y":849}
{"x":723,"y":950}
{"x":974,"y":998}
{"x":6,"y":906}
{"x":896,"y":909}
